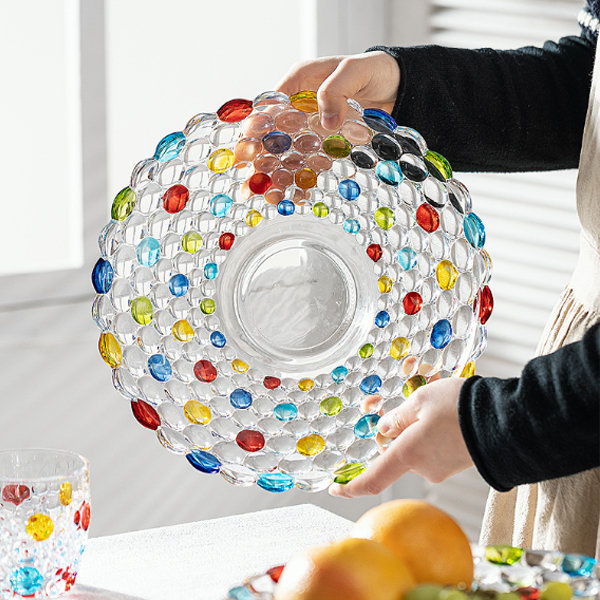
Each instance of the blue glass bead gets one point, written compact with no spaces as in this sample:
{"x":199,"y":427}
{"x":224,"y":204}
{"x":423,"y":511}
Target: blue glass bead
{"x":276,"y":482}
{"x":382,"y":319}
{"x":240,"y":398}
{"x":220,"y":205}
{"x":578,"y":565}
{"x":203,"y":461}
{"x":349,"y":189}
{"x":102,"y":276}
{"x":160,"y":367}
{"x":370,"y":384}
{"x":277,"y":142}
{"x":240,"y":592}
{"x":26,"y":581}
{"x":286,"y":208}
{"x":379,"y":120}
{"x":286,"y":411}
{"x":170,"y":146}
{"x":389,"y":172}
{"x":217,"y":339}
{"x":148,"y":251}
{"x":351,"y":226}
{"x":366,"y":426}
{"x":179,"y":285}
{"x":474,"y":230}
{"x":339,"y":374}
{"x":211,"y":270}
{"x":441,"y":334}
{"x":407,"y":258}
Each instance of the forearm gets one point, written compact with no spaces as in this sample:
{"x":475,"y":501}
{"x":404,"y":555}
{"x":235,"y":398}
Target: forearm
{"x":498,"y":110}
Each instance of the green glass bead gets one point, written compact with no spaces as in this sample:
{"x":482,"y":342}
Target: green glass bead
{"x":191,"y":242}
{"x":556,"y":590}
{"x":503,"y":555}
{"x":320,"y":210}
{"x":331,"y":406}
{"x":207,"y":306}
{"x":348,"y":472}
{"x":336,"y":146}
{"x":440,"y":164}
{"x":384,"y":217}
{"x":123,"y":204}
{"x":366,"y":351}
{"x":412,"y":384}
{"x":142,"y":310}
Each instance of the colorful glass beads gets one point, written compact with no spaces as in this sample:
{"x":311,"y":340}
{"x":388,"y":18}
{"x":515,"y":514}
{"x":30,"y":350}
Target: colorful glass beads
{"x":40,"y":527}
{"x":260,"y":275}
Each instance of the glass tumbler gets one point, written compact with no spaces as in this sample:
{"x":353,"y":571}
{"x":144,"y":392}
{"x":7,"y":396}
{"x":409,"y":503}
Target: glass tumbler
{"x":44,"y":521}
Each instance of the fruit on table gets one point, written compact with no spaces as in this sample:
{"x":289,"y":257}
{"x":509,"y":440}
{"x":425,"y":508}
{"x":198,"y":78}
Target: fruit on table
{"x":556,"y":590}
{"x":429,"y":542}
{"x":353,"y":569}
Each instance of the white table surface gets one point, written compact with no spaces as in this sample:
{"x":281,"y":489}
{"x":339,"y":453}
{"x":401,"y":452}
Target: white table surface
{"x":200,"y":561}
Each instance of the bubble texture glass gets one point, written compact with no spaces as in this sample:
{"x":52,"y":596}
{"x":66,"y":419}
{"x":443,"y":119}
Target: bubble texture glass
{"x":44,"y":520}
{"x":260,"y":276}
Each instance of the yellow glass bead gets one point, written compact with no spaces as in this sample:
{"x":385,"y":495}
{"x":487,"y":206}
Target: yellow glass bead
{"x":468,"y":370}
{"x":220,"y":160}
{"x":366,"y":351}
{"x":65,"y":493}
{"x":385,"y":284}
{"x":142,"y":310}
{"x":191,"y":242}
{"x":197,"y":413}
{"x":384,"y":217}
{"x":207,"y":306}
{"x":310,"y":445}
{"x":331,"y":406}
{"x":320,"y":210}
{"x":305,"y":101}
{"x":306,"y":385}
{"x":253,"y":218}
{"x":399,"y":348}
{"x":110,"y":350}
{"x":39,"y":527}
{"x":239,"y":365}
{"x":183,"y":331}
{"x":446,"y":274}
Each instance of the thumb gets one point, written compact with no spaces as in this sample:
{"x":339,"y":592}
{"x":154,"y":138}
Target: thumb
{"x":345,"y":82}
{"x":392,"y":424}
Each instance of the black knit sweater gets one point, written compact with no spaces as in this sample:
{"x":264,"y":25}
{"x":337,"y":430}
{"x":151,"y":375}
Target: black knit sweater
{"x":515,"y":110}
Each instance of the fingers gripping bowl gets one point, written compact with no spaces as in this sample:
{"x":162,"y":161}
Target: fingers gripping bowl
{"x":261,"y":275}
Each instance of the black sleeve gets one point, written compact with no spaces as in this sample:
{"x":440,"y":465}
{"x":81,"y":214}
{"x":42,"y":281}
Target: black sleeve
{"x":498,"y":110}
{"x":542,"y":425}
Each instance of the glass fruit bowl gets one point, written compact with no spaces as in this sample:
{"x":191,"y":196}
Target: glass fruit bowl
{"x":260,"y":276}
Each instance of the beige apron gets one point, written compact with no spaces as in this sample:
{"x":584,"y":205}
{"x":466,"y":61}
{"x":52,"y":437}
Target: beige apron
{"x":563,"y":514}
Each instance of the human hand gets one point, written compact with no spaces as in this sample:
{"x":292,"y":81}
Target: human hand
{"x":426,"y":440}
{"x":371,"y":78}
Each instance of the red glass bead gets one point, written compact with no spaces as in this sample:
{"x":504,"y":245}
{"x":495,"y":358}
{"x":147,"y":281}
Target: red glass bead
{"x":69,"y":579}
{"x":412,"y":303}
{"x":259,"y":183}
{"x":528,"y":593}
{"x":235,"y":110}
{"x":15,"y":493}
{"x":428,"y":218}
{"x":271,"y":382}
{"x":77,"y":518}
{"x":205,"y":371}
{"x":275,"y":573}
{"x":145,"y":414}
{"x":175,"y":198}
{"x":485,"y":300}
{"x":86,"y":515}
{"x":250,"y":440}
{"x":226,"y":240}
{"x":374,"y":252}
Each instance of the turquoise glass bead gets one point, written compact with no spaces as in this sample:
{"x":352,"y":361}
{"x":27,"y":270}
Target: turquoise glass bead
{"x":407,"y":258}
{"x":211,"y":270}
{"x":204,"y":461}
{"x":339,"y":374}
{"x":441,"y":334}
{"x":366,"y":426}
{"x":578,"y":565}
{"x":349,"y":189}
{"x":217,"y":339}
{"x":220,"y":205}
{"x":351,"y":226}
{"x":240,"y":398}
{"x":26,"y":581}
{"x":474,"y":230}
{"x":286,"y":411}
{"x":160,"y":367}
{"x":379,"y":120}
{"x":276,"y":482}
{"x":102,"y":276}
{"x":170,"y":146}
{"x":389,"y":172}
{"x":241,"y":592}
{"x":370,"y":384}
{"x":148,"y":251}
{"x":179,"y":285}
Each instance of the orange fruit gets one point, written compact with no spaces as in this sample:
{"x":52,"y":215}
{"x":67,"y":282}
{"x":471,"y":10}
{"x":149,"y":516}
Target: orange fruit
{"x":430,"y":542}
{"x":353,"y":569}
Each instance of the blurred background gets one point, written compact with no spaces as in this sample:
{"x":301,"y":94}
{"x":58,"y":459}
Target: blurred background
{"x":89,"y":87}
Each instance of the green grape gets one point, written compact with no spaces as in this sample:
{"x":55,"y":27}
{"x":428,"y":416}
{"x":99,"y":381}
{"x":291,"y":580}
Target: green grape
{"x":556,"y":590}
{"x":452,"y":594}
{"x":424,"y":592}
{"x":508,"y":596}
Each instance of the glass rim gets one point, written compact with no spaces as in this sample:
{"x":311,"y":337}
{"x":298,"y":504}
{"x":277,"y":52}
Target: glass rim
{"x":76,"y":473}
